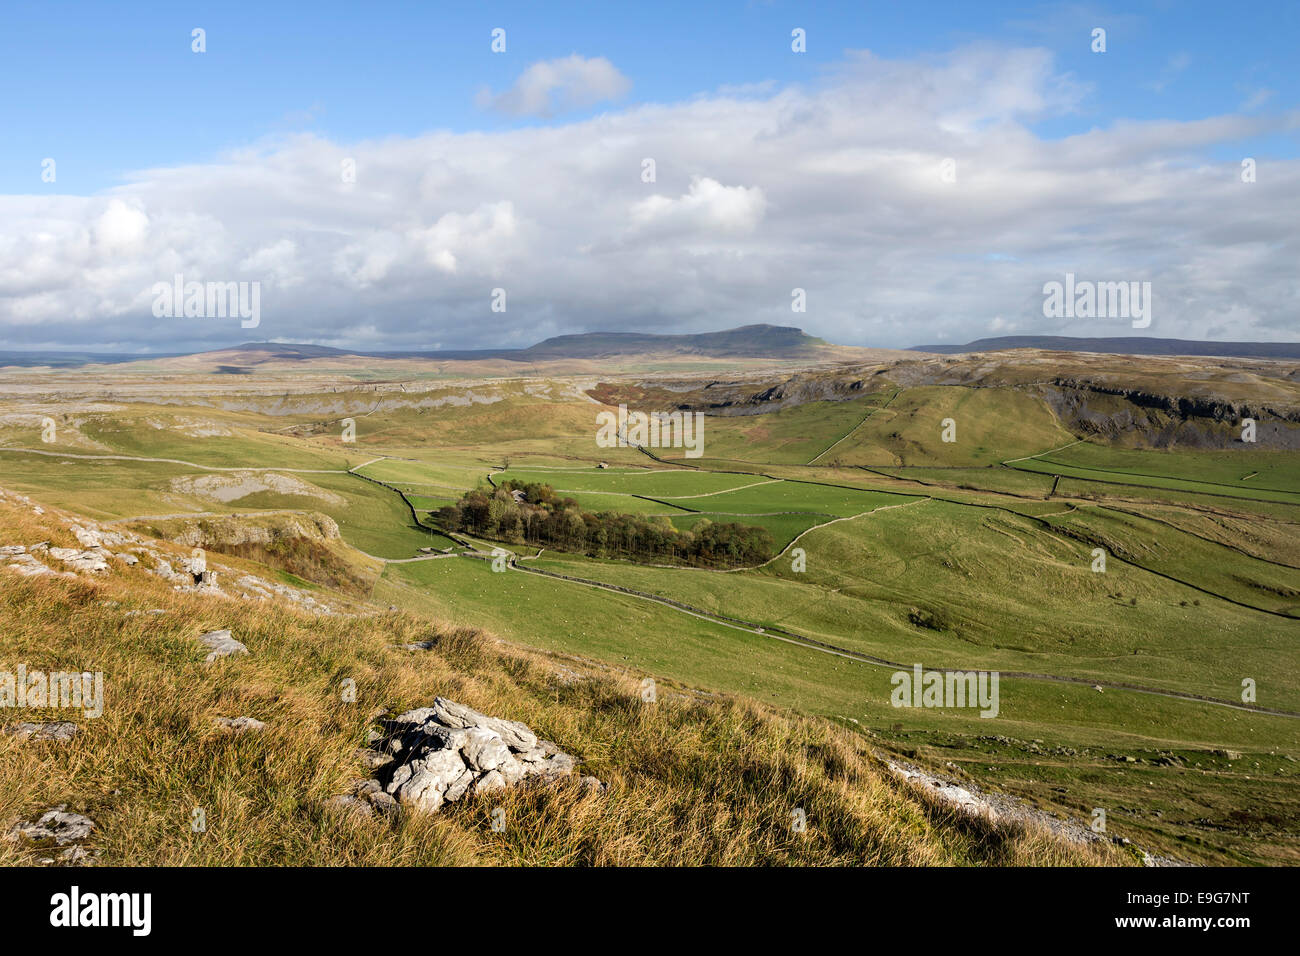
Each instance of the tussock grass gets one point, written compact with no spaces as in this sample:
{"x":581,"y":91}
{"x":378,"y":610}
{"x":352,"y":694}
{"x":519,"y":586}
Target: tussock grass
{"x":692,"y":779}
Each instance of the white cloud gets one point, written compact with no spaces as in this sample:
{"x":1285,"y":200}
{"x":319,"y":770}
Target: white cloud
{"x":120,"y":226}
{"x":707,"y":205}
{"x":277,"y":261}
{"x":556,"y":86}
{"x":833,"y":188}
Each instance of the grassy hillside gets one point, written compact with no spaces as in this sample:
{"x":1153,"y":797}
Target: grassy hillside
{"x":990,"y":425}
{"x":692,"y":780}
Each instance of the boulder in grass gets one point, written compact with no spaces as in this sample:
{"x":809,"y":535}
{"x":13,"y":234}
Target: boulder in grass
{"x":221,"y":644}
{"x":240,"y":725}
{"x":59,"y":730}
{"x":57,"y":825}
{"x":440,"y":754}
{"x":90,"y":561}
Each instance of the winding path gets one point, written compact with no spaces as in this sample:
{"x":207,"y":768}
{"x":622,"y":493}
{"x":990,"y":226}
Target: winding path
{"x":791,"y":637}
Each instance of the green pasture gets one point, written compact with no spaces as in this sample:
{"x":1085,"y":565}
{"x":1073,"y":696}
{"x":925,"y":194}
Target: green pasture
{"x":1051,"y":466}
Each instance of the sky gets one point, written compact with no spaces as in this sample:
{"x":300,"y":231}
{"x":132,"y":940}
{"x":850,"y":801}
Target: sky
{"x":385,"y":179}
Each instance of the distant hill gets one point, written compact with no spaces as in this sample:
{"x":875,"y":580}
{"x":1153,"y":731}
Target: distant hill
{"x":289,"y":351}
{"x":60,"y":359}
{"x":1123,"y":345}
{"x":749,"y":341}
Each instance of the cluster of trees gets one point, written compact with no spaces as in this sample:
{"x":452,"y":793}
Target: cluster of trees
{"x":545,"y":519}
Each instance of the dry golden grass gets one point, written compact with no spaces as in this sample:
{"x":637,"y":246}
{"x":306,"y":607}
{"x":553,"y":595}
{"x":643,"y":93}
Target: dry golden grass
{"x":692,"y":779}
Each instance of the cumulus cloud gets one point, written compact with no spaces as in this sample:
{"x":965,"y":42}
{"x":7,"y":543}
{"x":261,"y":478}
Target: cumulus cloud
{"x":837,"y":188}
{"x":120,"y":226}
{"x":549,"y":87}
{"x":707,"y":205}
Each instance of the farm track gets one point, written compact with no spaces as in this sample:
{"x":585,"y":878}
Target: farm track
{"x":1050,"y":451}
{"x":792,"y":637}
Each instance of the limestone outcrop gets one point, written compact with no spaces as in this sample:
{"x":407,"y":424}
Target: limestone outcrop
{"x":447,"y":751}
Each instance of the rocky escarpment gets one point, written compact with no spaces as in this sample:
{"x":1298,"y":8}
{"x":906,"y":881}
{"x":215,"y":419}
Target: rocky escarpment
{"x":304,"y":543}
{"x":717,"y":397}
{"x":1155,"y":402}
{"x":1160,"y":420}
{"x":217,"y":531}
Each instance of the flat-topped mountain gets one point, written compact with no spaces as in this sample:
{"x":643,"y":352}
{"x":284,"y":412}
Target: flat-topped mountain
{"x":747,"y":340}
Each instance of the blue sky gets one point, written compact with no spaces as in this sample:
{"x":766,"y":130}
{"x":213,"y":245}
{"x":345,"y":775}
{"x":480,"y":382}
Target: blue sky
{"x":218,"y":164}
{"x":112,"y":88}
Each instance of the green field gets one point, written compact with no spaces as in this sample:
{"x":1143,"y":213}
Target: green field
{"x":770,"y":496}
{"x":865,"y":577}
{"x":1250,"y":469}
{"x":427,"y":476}
{"x":1248,"y":474}
{"x":657,"y":483}
{"x":784,"y":528}
{"x":659,"y":640}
